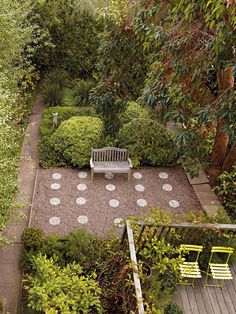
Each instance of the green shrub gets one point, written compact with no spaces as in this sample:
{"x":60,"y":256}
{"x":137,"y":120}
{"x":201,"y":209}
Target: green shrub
{"x":32,"y":238}
{"x":68,"y":98}
{"x":173,"y":308}
{"x":148,"y":142}
{"x":82,"y":247}
{"x":81,"y":91}
{"x":133,"y":111}
{"x":53,"y":246}
{"x":47,"y":156}
{"x":74,"y":139}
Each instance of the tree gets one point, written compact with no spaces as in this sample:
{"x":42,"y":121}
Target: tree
{"x":192,"y":53}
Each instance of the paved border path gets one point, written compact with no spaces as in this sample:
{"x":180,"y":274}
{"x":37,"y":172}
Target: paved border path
{"x":10,"y":274}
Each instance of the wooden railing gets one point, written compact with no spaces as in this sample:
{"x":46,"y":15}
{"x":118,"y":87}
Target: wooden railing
{"x":193,"y":232}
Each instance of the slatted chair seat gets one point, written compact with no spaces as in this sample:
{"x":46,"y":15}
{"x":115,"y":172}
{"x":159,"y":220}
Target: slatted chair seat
{"x":190,"y":270}
{"x":220,"y":271}
{"x":110,"y":159}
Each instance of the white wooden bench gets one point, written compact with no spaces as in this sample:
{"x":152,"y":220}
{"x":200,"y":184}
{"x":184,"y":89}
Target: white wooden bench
{"x":110,"y":159}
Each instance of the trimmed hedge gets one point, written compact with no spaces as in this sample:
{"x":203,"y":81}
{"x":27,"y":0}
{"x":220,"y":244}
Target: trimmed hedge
{"x":47,"y":156}
{"x":133,"y":111}
{"x":73,"y":140}
{"x":148,"y":142}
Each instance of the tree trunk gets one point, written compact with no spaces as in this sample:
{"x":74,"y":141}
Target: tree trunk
{"x":230,"y":159}
{"x":225,"y":80}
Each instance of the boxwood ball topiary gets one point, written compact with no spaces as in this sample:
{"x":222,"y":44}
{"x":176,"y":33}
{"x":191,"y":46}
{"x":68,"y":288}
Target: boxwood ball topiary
{"x":74,"y":139}
{"x":148,"y":142}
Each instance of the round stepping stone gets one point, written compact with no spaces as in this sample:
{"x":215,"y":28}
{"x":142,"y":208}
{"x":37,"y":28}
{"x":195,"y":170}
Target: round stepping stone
{"x":109,"y":175}
{"x":81,"y":187}
{"x":54,"y":221}
{"x":56,"y":176}
{"x":110,"y":187}
{"x":114,"y":203}
{"x":163,"y":175}
{"x":139,"y":188}
{"x":55,"y":201}
{"x":141,"y":202}
{"x":174,"y":203}
{"x":55,"y":186}
{"x":167,"y":187}
{"x":137,"y":175}
{"x":82,"y":175}
{"x":119,"y":222}
{"x":82,"y":219}
{"x":80,"y":201}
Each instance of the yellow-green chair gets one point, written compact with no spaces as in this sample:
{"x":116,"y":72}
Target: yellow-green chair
{"x":191,"y":270}
{"x":219,"y":271}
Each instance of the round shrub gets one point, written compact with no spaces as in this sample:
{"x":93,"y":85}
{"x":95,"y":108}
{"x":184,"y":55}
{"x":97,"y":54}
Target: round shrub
{"x":148,"y":142}
{"x":133,"y":111}
{"x":32,"y":238}
{"x":74,"y":139}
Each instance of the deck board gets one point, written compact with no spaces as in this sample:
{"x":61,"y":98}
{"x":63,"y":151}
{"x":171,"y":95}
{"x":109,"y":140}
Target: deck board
{"x":210,"y":300}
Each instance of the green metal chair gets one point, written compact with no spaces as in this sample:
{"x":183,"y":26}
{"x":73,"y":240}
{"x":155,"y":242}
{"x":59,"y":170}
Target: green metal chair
{"x":191,"y":269}
{"x":219,"y":271}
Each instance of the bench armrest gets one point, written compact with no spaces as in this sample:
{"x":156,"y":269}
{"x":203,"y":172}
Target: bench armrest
{"x":130,"y":163}
{"x":91,"y":163}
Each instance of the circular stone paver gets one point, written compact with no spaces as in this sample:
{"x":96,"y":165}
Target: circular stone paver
{"x":82,"y":219}
{"x":55,"y":201}
{"x":55,"y":186}
{"x":119,"y":222}
{"x":56,"y":176}
{"x":167,"y":187}
{"x":80,"y":200}
{"x":139,"y":188}
{"x":174,"y":203}
{"x":137,"y":175}
{"x":109,"y":175}
{"x":110,"y":187}
{"x":163,"y":175}
{"x":114,"y":203}
{"x":81,"y":187}
{"x":54,"y":221}
{"x":141,"y":202}
{"x":82,"y":175}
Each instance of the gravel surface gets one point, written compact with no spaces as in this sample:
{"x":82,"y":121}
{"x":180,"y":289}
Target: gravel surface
{"x":86,"y":204}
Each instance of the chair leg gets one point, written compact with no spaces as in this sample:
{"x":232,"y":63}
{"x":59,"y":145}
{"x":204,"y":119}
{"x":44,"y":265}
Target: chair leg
{"x":129,"y":175}
{"x":92,"y":174}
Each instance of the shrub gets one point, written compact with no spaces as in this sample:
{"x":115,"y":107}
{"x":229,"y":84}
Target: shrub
{"x":73,"y":140}
{"x":81,"y":91}
{"x":32,"y":238}
{"x":148,"y":142}
{"x":173,"y":308}
{"x":47,"y":156}
{"x":133,"y":111}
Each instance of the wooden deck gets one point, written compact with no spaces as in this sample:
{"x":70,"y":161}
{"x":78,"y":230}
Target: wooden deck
{"x":210,"y":300}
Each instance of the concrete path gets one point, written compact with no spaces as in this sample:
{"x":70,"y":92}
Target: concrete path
{"x":10,"y":274}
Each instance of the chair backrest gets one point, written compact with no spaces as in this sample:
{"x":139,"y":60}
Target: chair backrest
{"x":109,"y":154}
{"x":192,"y":248}
{"x":222,"y":250}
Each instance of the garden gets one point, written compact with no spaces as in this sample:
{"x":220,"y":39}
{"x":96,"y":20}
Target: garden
{"x":153,"y":77}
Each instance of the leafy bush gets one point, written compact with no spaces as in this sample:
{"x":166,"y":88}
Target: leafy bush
{"x":53,"y":87}
{"x":173,"y":308}
{"x":32,"y":238}
{"x":133,"y":111}
{"x":73,"y":140}
{"x":148,"y":142}
{"x":226,"y":189}
{"x":81,"y":91}
{"x":47,"y":156}
{"x":52,"y":289}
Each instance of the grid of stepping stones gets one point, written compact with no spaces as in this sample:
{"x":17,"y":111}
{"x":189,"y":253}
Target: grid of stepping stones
{"x":66,"y":199}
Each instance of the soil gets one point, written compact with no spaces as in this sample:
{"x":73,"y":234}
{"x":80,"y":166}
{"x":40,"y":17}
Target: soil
{"x":100,"y":214}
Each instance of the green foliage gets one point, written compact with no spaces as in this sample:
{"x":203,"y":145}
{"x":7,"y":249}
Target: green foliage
{"x":133,"y":111}
{"x":226,"y":189}
{"x":47,"y":156}
{"x":53,"y":289}
{"x":148,"y":142}
{"x":173,"y":308}
{"x":73,"y":31}
{"x":81,"y":90}
{"x":32,"y":238}
{"x":73,"y":140}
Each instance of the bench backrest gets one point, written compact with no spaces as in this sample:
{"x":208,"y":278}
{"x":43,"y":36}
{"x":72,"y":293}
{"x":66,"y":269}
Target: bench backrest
{"x":110,"y":154}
